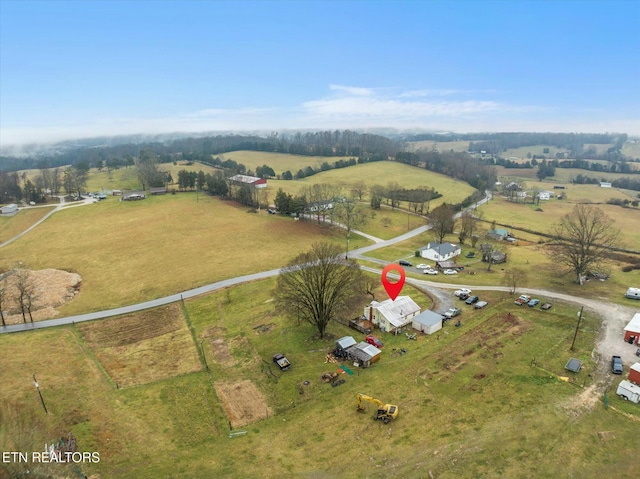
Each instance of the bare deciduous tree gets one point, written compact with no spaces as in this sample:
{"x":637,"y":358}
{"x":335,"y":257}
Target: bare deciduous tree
{"x":442,"y":221}
{"x":351,"y":215}
{"x":513,"y":278}
{"x":583,"y":238}
{"x":467,"y":226}
{"x":315,"y":285}
{"x":26,"y":291}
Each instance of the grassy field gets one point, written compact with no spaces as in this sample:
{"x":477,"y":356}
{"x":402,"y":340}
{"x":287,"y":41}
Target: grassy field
{"x":528,"y":216}
{"x":439,"y":145}
{"x":11,"y":226}
{"x":192,"y":243}
{"x":382,"y":173}
{"x":472,"y":401}
{"x":280,"y":162}
{"x":562,"y":175}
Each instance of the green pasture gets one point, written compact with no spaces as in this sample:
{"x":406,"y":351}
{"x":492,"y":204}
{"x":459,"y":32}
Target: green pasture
{"x":564,"y":176}
{"x":280,"y":162}
{"x":11,"y":226}
{"x":382,"y":173}
{"x":527,"y":216}
{"x":632,"y":150}
{"x":523,"y":151}
{"x":129,"y":252}
{"x":479,"y":400}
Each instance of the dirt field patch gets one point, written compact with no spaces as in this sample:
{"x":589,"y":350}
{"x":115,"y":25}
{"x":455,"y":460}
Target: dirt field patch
{"x":49,"y":289}
{"x":243,"y":403}
{"x":142,"y":348}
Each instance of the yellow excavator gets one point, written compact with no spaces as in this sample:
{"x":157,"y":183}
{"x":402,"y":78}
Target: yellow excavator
{"x":386,"y":412}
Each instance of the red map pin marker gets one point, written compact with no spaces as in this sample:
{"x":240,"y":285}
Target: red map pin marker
{"x":393,"y":289}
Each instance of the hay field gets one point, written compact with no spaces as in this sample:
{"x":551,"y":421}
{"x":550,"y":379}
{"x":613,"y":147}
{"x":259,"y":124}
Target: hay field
{"x":128,"y":252}
{"x":439,"y":145}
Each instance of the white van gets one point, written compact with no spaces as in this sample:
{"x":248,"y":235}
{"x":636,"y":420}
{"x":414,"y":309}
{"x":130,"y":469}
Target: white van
{"x":629,"y":391}
{"x":633,"y":293}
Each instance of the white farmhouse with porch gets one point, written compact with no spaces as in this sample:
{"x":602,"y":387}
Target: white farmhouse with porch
{"x":391,"y":316}
{"x":440,"y":251}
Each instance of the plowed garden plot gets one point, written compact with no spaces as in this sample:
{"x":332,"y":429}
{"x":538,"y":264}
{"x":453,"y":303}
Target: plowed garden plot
{"x":243,"y":402}
{"x":144,"y":347}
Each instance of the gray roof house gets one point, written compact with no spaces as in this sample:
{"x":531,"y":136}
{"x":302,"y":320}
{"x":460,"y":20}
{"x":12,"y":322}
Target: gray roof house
{"x":439,"y":251}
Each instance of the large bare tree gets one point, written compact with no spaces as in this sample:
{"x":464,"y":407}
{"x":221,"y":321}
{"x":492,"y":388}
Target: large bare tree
{"x":351,"y":215}
{"x":315,"y":285}
{"x":583,"y":238}
{"x":442,"y":221}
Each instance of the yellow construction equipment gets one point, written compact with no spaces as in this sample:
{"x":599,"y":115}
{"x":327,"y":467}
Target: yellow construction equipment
{"x":386,"y":412}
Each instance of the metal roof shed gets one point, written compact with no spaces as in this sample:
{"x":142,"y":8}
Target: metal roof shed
{"x":427,"y":322}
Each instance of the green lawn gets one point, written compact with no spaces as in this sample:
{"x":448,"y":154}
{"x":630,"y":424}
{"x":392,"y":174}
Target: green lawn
{"x":470,"y":399}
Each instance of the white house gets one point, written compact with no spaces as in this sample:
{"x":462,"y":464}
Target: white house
{"x":439,"y":251}
{"x":605,"y":184}
{"x":427,"y":322}
{"x":543,"y":195}
{"x":391,"y":316}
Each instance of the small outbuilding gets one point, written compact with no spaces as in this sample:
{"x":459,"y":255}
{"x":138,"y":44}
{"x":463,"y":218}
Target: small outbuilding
{"x":9,"y":210}
{"x":344,"y":343}
{"x":364,"y":354}
{"x":632,"y":330}
{"x":427,"y":322}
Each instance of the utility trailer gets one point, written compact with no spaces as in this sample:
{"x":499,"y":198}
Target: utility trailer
{"x":629,"y":391}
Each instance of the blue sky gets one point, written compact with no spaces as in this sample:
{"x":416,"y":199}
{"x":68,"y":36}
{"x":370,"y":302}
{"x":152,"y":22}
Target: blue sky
{"x":87,"y":68}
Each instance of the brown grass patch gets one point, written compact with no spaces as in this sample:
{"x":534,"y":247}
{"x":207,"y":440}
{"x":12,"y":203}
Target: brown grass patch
{"x":51,"y":287}
{"x":243,"y":402}
{"x":145,"y":347}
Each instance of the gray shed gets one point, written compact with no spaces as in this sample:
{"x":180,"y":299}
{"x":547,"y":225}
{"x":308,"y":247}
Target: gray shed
{"x":427,"y":322}
{"x":345,"y":343}
{"x":364,"y":354}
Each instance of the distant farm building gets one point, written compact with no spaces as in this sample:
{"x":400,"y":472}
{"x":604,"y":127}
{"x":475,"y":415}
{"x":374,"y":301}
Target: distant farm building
{"x":158,"y":190}
{"x":133,"y":196}
{"x":9,"y":210}
{"x":605,"y":184}
{"x":248,"y":180}
{"x":498,"y":234}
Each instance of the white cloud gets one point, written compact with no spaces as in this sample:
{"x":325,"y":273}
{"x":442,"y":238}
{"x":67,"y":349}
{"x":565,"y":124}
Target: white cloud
{"x":359,"y":91}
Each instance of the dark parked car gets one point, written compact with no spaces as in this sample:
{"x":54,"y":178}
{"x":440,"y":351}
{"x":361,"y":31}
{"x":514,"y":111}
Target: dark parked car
{"x":616,"y":365}
{"x":404,"y":262}
{"x":546,"y":306}
{"x":472,"y":300}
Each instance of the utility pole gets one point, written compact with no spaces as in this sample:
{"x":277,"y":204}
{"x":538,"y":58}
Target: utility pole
{"x":35,"y":383}
{"x":577,"y":327}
